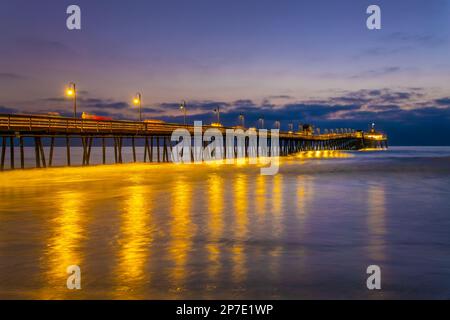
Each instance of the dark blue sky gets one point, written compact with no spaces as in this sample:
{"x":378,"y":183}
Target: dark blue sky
{"x":288,"y":60}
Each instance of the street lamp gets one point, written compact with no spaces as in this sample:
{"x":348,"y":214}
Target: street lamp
{"x":277,"y":125}
{"x":291,"y":127}
{"x":261,"y":121}
{"x":183,"y":108}
{"x":138,"y":102}
{"x":71,"y":92}
{"x":241,"y":120}
{"x":217,"y":111}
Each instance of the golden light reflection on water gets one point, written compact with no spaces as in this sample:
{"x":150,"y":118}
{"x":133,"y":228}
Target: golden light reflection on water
{"x":376,"y":221}
{"x":305,"y":193}
{"x":66,"y":240}
{"x":277,"y":223}
{"x":135,"y":238}
{"x":215,"y":223}
{"x":323,"y":154}
{"x":181,"y":233}
{"x":240,"y":228}
{"x":260,"y":196}
{"x":215,"y":205}
{"x":277,"y":204}
{"x":301,"y":194}
{"x":241,"y":205}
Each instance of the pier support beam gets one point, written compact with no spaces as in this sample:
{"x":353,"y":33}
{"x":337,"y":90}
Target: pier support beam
{"x":11,"y":149}
{"x":134,"y":148}
{"x":41,"y":151}
{"x":103,"y":151}
{"x":83,"y":143}
{"x":165,"y":151}
{"x":115,"y":150}
{"x":22,"y":153}
{"x":151,"y":149}
{"x":36,"y":152}
{"x":89,"y":147}
{"x":2,"y":167}
{"x":68,"y":150}
{"x":120,"y":149}
{"x":157,"y":148}
{"x":50,"y":157}
{"x":145,"y":149}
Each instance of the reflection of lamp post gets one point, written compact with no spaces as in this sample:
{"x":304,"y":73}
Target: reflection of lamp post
{"x":241,"y":120}
{"x":72,"y":92}
{"x":183,"y":108}
{"x":138,"y":102}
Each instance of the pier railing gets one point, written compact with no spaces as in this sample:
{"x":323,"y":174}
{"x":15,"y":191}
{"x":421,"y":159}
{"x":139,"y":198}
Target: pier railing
{"x":62,"y":125}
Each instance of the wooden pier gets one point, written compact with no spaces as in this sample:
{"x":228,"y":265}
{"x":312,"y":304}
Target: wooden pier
{"x":155,"y":137}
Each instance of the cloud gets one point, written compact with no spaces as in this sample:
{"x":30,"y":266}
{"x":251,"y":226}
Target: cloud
{"x":243,"y":103}
{"x":91,"y":103}
{"x":443,"y":101}
{"x":193,"y":107}
{"x":360,"y":105}
{"x":415,"y":39}
{"x":384,"y":108}
{"x":405,"y":114}
{"x":401,"y":42}
{"x":382,"y":51}
{"x":107,"y":105}
{"x":376,"y":73}
{"x":151,"y":110}
{"x":11,"y":76}
{"x":286,"y":97}
{"x":38,"y":44}
{"x":377,"y":96}
{"x":414,"y":125}
{"x":4,"y":109}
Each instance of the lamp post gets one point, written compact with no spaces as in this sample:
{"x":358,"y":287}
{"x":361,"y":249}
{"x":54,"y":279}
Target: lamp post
{"x":72,"y":92}
{"x":138,"y":102}
{"x":277,"y":125}
{"x":261,"y":121}
{"x":291,"y":127}
{"x":241,"y":120}
{"x":217,"y":111}
{"x":183,"y":108}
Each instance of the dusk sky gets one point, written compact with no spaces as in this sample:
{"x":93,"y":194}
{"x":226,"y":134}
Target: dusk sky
{"x":289,"y":60}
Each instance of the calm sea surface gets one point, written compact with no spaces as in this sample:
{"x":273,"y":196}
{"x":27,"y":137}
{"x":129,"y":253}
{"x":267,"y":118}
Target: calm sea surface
{"x":157,"y":231}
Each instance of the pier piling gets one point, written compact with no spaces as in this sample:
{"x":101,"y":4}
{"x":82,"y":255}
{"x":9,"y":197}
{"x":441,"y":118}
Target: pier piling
{"x":50,"y":157}
{"x":22,"y":153}
{"x":11,"y":151}
{"x":103,"y":151}
{"x":2,"y":167}
{"x":134,"y":149}
{"x":68,"y":150}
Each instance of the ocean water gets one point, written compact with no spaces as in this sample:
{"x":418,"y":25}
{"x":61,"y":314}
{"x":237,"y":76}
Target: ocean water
{"x":211,"y":231}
